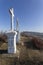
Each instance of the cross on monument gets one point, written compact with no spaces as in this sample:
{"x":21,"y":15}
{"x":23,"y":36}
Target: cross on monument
{"x":11,"y":34}
{"x":12,"y":18}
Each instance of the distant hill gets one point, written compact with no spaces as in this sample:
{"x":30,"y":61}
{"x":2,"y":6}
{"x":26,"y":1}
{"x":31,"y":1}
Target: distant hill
{"x":37,"y":34}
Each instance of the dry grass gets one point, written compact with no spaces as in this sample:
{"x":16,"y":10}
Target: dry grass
{"x":24,"y":55}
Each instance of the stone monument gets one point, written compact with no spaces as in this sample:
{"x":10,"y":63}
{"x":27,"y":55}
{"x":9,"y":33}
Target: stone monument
{"x":12,"y":34}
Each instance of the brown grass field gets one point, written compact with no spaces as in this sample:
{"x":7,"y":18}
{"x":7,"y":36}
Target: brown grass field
{"x":29,"y":52}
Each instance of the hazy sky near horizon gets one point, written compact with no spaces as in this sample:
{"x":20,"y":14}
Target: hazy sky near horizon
{"x":28,"y":12}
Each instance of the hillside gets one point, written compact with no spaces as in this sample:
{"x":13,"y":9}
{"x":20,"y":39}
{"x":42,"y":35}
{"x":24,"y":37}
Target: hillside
{"x":37,"y":34}
{"x":33,"y":38}
{"x":29,"y":52}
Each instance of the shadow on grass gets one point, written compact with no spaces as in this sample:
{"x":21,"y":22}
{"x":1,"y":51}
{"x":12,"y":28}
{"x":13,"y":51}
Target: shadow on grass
{"x":31,"y":45}
{"x":3,"y":51}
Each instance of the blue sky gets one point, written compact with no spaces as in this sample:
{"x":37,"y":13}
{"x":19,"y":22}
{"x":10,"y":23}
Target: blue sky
{"x":28,"y":12}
